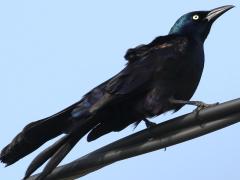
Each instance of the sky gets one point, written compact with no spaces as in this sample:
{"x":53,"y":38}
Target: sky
{"x":53,"y":52}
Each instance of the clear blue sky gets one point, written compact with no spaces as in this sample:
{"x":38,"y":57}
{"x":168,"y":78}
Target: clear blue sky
{"x":53,"y":52}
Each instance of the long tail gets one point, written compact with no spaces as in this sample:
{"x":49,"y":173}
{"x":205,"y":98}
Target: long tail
{"x":55,"y":154}
{"x":34,"y":135}
{"x":37,"y":133}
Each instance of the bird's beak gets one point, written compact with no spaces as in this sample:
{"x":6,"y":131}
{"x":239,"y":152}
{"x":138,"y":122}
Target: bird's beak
{"x":217,"y":12}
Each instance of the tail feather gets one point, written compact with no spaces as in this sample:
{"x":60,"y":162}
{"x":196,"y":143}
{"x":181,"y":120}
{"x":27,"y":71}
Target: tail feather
{"x":42,"y":157}
{"x":98,"y":131}
{"x":37,"y":133}
{"x":58,"y":156}
{"x":59,"y":150}
{"x":34,"y":135}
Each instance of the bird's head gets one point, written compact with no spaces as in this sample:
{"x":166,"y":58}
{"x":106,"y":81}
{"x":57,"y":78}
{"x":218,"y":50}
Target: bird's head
{"x":198,"y":23}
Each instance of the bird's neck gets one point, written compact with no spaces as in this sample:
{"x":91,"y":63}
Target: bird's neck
{"x":196,"y":37}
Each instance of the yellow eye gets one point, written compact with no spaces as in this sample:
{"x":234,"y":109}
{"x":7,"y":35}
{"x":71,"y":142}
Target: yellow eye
{"x":195,"y":17}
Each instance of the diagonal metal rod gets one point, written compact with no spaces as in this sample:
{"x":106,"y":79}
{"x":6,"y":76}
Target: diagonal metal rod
{"x":171,"y":132}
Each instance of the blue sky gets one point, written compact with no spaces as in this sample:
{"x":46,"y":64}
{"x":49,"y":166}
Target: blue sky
{"x":53,"y":52}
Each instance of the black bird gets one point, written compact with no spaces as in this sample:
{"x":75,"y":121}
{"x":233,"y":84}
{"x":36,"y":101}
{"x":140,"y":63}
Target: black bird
{"x":159,"y":77}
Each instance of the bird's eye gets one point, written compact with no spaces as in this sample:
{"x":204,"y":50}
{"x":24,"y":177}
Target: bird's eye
{"x":195,"y":17}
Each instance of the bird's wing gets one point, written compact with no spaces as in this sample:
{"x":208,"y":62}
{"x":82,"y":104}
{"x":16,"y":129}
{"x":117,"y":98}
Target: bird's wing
{"x":138,"y":52}
{"x":161,"y":54}
{"x":136,"y":76}
{"x":131,"y":78}
{"x":134,"y":54}
{"x":128,"y":82}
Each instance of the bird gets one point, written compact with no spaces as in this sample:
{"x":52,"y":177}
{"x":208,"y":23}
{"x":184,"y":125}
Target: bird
{"x":160,"y":76}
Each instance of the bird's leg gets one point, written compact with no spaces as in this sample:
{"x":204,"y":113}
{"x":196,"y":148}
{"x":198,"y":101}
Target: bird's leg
{"x":149,"y":123}
{"x":200,"y":105}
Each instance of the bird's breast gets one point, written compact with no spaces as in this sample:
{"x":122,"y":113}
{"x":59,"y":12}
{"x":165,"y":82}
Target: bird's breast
{"x":189,"y":75}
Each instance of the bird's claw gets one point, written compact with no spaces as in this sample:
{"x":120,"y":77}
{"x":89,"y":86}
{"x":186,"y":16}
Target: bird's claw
{"x":149,"y":123}
{"x":201,"y":105}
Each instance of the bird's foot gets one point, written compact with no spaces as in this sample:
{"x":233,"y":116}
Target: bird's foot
{"x":201,"y":105}
{"x":149,"y":123}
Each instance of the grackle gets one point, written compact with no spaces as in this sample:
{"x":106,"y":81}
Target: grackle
{"x":159,"y":77}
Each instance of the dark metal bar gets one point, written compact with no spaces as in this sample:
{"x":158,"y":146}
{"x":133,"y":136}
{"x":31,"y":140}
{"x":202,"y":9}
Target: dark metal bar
{"x":163,"y":135}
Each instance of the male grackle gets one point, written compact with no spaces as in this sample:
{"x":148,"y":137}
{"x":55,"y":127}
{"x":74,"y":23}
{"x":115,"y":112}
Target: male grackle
{"x":159,"y":77}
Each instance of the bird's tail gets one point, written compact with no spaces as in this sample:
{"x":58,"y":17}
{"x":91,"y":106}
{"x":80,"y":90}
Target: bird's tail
{"x":30,"y":138}
{"x":37,"y":133}
{"x":56,"y":152}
